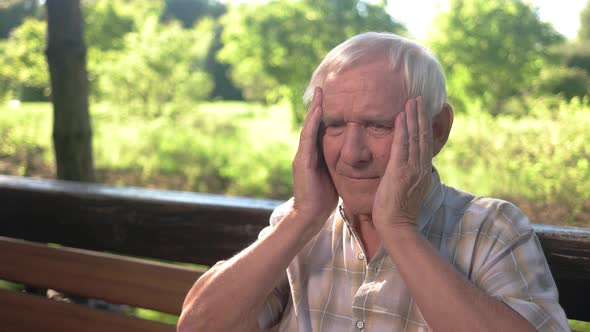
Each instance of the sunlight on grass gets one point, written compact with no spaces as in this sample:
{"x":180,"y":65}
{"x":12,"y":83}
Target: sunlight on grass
{"x":153,"y":315}
{"x":4,"y":284}
{"x":579,"y":326}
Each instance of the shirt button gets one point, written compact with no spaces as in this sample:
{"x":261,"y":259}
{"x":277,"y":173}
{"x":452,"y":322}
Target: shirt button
{"x":361,"y":256}
{"x":360,"y":324}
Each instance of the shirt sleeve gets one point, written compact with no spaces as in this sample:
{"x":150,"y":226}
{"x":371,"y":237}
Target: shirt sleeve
{"x":515,"y":270}
{"x":275,"y":303}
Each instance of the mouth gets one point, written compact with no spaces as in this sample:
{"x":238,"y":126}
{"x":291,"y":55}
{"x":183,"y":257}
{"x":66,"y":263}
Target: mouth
{"x":359,"y":177}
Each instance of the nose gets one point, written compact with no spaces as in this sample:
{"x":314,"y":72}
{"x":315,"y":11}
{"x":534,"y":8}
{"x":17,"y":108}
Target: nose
{"x":355,"y":151}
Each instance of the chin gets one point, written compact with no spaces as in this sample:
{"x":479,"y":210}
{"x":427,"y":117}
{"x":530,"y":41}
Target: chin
{"x":355,"y":205}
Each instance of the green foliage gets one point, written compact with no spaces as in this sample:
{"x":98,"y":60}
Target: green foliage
{"x":13,"y":12}
{"x":570,"y":76}
{"x":543,"y":157}
{"x":23,"y":59}
{"x":491,"y":50}
{"x":224,"y":88}
{"x":105,"y":25}
{"x":584,"y":30}
{"x":231,"y":148}
{"x":578,"y":56}
{"x":25,"y":136}
{"x":190,"y":11}
{"x":160,"y":70}
{"x":273,"y":47}
{"x":569,"y":82}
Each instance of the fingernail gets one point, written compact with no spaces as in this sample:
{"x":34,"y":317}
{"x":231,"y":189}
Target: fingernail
{"x":408,"y":104}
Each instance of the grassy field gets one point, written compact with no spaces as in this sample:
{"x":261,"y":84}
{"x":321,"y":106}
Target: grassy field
{"x":539,"y":162}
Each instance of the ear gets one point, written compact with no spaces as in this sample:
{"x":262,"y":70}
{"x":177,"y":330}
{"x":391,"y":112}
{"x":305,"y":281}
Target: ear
{"x":441,"y":127}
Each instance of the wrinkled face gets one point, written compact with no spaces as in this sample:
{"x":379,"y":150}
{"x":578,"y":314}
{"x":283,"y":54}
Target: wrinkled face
{"x":359,"y":108}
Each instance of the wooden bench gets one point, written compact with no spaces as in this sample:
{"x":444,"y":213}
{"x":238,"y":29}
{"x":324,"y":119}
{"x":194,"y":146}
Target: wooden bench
{"x":72,"y":237}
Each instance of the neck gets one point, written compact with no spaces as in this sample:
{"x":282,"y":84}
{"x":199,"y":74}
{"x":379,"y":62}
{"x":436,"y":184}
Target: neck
{"x":366,"y":232}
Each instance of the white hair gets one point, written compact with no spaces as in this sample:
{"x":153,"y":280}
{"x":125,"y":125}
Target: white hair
{"x":422,"y":73}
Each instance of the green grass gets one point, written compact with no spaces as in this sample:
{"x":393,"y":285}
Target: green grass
{"x":4,"y":284}
{"x":579,"y":326}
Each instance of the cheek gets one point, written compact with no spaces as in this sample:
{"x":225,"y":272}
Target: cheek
{"x":331,"y":146}
{"x":382,"y":150}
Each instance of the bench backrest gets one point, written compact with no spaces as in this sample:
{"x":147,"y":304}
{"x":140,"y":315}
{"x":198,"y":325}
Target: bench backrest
{"x":113,"y":278}
{"x":173,"y":226}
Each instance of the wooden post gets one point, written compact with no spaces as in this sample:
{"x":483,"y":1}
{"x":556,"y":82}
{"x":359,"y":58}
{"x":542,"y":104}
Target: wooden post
{"x":66,"y":57}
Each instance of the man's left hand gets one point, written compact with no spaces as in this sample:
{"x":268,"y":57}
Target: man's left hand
{"x":408,"y":175}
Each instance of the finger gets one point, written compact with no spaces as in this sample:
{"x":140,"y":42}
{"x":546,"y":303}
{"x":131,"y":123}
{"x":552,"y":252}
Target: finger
{"x":308,"y":149}
{"x":399,"y":146}
{"x":413,"y":133}
{"x":315,"y":102}
{"x":426,"y":135}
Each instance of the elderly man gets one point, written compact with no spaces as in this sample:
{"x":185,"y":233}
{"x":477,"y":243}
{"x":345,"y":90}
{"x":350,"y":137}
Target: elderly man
{"x":372,"y":240}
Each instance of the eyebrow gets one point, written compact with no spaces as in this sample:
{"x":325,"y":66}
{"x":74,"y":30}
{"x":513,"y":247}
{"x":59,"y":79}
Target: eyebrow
{"x":371,"y":117}
{"x":331,"y":118}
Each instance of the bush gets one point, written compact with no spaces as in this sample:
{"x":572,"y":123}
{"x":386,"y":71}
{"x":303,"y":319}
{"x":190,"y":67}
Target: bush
{"x":227,"y":148}
{"x":23,"y":61}
{"x":161,"y":70}
{"x":564,"y":81}
{"x":543,"y":157}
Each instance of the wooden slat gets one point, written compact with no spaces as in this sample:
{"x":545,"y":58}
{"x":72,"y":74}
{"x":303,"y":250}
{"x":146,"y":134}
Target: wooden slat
{"x":567,"y":250}
{"x":116,"y":279}
{"x":177,"y":226}
{"x":24,"y":312}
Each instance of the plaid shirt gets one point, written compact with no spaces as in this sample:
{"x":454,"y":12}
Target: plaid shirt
{"x":330,"y":286}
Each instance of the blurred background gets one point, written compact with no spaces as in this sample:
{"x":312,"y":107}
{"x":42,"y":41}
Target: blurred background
{"x":205,"y":95}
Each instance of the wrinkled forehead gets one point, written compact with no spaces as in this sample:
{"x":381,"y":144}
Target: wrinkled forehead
{"x":366,"y":88}
{"x":365,"y":76}
{"x":371,"y":77}
{"x":363,"y":82}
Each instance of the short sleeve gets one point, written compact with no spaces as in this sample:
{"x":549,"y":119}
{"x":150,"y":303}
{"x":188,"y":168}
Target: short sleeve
{"x":275,"y":303}
{"x":515,"y":270}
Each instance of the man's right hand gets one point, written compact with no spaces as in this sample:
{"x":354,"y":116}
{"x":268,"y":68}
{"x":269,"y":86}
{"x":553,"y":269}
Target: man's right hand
{"x":315,"y":196}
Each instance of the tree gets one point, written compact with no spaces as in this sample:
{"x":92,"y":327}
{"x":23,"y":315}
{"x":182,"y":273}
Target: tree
{"x":24,"y":66}
{"x":66,"y":56}
{"x":160,"y":70}
{"x":224,"y":87}
{"x":274,"y":47}
{"x":13,"y":12}
{"x":569,"y":82}
{"x":491,"y":50}
{"x":584,"y":30}
{"x":105,"y":25}
{"x":190,"y":11}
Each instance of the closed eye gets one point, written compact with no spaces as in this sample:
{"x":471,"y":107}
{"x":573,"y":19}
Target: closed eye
{"x":334,"y":128}
{"x":378,"y":129}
